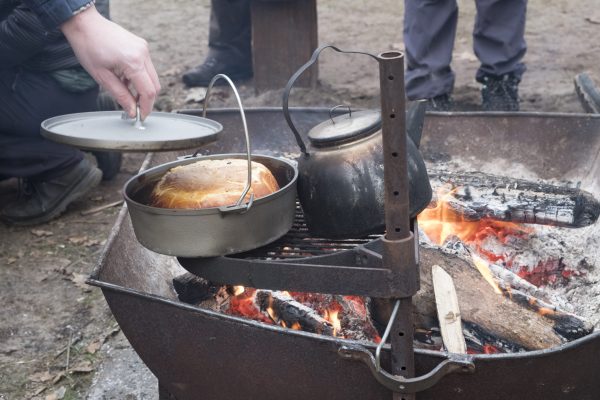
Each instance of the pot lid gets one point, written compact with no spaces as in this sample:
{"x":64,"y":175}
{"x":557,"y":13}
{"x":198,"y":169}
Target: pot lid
{"x":108,"y":130}
{"x":346,"y":127}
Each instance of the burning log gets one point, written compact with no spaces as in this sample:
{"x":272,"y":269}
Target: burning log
{"x":480,"y":306}
{"x":287,"y":312}
{"x":476,"y":195}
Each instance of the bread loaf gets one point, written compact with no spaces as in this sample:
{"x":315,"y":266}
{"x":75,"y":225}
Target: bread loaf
{"x":211,"y":183}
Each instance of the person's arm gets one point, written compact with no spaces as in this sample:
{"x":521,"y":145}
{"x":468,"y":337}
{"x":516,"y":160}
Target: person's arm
{"x":53,"y":13}
{"x":113,"y":56}
{"x":21,"y":36}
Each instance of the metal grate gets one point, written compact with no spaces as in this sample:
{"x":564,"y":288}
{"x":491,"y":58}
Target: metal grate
{"x":298,"y":243}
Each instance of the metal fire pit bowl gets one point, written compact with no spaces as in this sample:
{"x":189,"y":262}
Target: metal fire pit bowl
{"x":196,"y":353}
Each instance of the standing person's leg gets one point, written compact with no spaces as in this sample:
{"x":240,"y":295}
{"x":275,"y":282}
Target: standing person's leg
{"x":229,"y":44}
{"x":499,"y":43}
{"x":429,"y":32}
{"x":57,"y":174}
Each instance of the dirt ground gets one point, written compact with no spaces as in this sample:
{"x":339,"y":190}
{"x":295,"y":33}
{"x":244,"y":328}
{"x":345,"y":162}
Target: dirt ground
{"x":50,"y":320}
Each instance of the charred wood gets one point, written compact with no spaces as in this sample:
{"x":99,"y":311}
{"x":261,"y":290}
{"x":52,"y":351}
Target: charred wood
{"x":287,"y":312}
{"x":567,"y":325}
{"x":192,"y":289}
{"x":478,"y":195}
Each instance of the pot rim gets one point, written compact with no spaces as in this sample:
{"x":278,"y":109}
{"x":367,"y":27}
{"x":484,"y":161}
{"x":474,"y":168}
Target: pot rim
{"x":127,"y":187}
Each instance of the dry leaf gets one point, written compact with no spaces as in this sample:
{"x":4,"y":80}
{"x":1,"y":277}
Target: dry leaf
{"x":196,"y":95}
{"x":593,"y":20}
{"x":91,"y":242}
{"x":79,"y":281}
{"x":41,"y":377}
{"x":58,"y":394}
{"x":83,"y":367}
{"x":11,"y":260}
{"x":171,"y":71}
{"x":94,"y":346}
{"x":58,"y":377}
{"x":78,"y":239}
{"x":41,"y":232}
{"x":466,"y":56}
{"x":97,"y":198}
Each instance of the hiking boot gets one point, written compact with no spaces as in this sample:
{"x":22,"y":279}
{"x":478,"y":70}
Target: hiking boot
{"x":203,"y":73}
{"x":46,"y":200}
{"x":500,"y":93}
{"x":442,"y":102}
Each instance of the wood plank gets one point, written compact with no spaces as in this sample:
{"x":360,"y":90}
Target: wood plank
{"x":448,"y":311}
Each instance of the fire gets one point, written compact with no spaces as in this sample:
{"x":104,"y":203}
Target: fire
{"x":332,"y":316}
{"x":484,"y":270}
{"x":441,"y":221}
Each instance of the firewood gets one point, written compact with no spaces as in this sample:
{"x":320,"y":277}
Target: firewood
{"x":481,"y":306}
{"x":478,"y":195}
{"x":192,"y":289}
{"x":286,"y":311}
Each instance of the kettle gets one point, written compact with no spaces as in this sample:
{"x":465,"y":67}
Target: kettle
{"x":341,"y":182}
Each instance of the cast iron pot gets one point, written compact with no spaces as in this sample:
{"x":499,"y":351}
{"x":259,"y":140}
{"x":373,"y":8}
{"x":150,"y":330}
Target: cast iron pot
{"x":340,"y":183}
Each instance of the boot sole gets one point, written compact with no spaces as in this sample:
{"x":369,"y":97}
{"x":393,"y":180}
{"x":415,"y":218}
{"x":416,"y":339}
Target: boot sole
{"x":84,"y":186}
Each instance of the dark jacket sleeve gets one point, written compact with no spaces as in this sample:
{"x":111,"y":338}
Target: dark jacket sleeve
{"x":52,"y":13}
{"x":21,"y":36}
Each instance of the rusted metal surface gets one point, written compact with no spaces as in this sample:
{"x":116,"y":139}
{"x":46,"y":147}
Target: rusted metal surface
{"x":194,"y":351}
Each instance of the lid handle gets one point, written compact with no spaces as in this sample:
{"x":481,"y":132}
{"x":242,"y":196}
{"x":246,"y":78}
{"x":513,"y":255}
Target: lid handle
{"x":238,"y":207}
{"x":335,"y":108}
{"x":292,"y":81}
{"x":137,"y":123}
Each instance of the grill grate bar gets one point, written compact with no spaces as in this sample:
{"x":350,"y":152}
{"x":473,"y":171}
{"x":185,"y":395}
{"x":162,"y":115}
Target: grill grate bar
{"x":298,"y":243}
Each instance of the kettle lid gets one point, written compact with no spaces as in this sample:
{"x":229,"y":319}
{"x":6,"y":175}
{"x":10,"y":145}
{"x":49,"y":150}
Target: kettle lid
{"x":345,"y":128}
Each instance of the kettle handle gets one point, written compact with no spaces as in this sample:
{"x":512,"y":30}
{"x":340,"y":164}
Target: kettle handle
{"x":292,"y":81}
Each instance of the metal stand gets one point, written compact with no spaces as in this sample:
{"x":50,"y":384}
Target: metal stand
{"x":386,"y":268}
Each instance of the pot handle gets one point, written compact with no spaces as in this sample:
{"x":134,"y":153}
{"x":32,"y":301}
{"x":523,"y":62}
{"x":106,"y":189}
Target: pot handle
{"x":292,"y":81}
{"x":238,"y":206}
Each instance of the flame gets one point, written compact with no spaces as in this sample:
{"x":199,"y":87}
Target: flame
{"x":484,"y":270}
{"x":237,"y":290}
{"x":440,"y":221}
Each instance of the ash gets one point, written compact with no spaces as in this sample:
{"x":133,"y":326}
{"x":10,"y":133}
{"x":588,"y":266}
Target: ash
{"x":573,"y":250}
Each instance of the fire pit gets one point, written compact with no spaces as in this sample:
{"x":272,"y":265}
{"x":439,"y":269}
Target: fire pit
{"x":197,"y":352}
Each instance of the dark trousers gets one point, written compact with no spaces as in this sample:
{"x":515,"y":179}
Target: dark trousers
{"x":429,"y":32}
{"x":27,"y":99}
{"x":229,"y":35}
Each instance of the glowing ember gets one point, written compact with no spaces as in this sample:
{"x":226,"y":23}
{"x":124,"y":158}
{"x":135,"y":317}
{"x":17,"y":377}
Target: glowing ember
{"x":350,"y":320}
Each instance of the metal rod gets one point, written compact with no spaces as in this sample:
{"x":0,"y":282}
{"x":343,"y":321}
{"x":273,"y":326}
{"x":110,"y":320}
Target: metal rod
{"x":397,"y":212}
{"x":395,"y":160}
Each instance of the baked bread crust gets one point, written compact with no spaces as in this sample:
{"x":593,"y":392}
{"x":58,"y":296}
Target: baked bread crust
{"x":211,"y":183}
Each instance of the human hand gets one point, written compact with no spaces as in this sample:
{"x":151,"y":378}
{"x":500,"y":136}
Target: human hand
{"x":115,"y":58}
